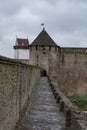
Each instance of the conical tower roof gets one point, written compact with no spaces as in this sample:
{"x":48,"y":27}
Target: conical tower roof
{"x":43,"y":39}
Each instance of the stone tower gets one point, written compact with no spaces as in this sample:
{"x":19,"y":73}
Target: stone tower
{"x":44,"y":53}
{"x":21,"y":49}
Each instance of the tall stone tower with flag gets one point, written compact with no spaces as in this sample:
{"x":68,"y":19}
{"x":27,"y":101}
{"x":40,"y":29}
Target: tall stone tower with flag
{"x":44,"y":53}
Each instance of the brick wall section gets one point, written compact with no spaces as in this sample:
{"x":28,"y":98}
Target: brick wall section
{"x":16,"y":83}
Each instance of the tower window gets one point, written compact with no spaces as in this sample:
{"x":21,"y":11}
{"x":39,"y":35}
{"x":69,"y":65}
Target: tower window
{"x":44,"y":52}
{"x":36,"y":47}
{"x":49,"y":48}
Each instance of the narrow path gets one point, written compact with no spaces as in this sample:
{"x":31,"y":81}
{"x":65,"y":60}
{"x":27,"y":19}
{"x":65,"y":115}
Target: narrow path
{"x":44,"y":112}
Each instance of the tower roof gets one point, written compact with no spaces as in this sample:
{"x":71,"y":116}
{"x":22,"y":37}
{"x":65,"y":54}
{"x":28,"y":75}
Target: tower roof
{"x":43,"y":39}
{"x":21,"y":43}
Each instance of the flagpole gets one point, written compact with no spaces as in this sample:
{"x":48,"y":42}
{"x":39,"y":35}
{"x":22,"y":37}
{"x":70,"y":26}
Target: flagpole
{"x":42,"y":24}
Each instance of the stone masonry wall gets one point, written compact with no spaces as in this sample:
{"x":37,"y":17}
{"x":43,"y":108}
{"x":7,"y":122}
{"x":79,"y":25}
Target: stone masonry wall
{"x":45,"y":57}
{"x":72,"y":72}
{"x":16,"y":83}
{"x":74,"y":118}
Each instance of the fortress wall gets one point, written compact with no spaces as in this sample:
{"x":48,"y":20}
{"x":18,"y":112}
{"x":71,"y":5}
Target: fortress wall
{"x":74,"y":118}
{"x":72,"y":72}
{"x":45,"y":57}
{"x":16,"y":83}
{"x":53,"y":63}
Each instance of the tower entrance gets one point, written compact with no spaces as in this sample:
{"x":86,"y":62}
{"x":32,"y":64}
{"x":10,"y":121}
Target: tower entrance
{"x":43,"y":73}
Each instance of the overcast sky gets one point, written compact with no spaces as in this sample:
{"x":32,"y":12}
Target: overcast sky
{"x":65,"y":21}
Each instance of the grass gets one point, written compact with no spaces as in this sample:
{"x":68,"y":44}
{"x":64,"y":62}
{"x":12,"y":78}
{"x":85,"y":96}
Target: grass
{"x":80,"y":101}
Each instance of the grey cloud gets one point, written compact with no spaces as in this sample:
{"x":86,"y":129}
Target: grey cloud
{"x":65,"y":21}
{"x":9,"y":7}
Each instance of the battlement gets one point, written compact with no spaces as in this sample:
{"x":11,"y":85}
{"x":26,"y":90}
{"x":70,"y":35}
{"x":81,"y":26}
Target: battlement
{"x":73,"y":50}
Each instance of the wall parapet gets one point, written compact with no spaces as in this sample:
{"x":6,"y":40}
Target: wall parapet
{"x":73,"y":50}
{"x":17,"y":80}
{"x":75,"y":119}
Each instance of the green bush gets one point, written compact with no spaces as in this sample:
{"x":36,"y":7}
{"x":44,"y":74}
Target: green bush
{"x":80,"y":101}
